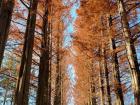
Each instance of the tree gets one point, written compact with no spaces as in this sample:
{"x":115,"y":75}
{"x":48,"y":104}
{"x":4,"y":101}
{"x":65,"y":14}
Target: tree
{"x":58,"y":85}
{"x":131,"y":52}
{"x":23,"y":82}
{"x":44,"y":67}
{"x":5,"y":20}
{"x":117,"y":81}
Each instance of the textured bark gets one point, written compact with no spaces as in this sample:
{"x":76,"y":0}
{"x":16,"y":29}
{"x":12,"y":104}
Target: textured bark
{"x":44,"y":68}
{"x":50,"y":52}
{"x":57,"y":99}
{"x":6,"y":9}
{"x":106,"y":77}
{"x":107,"y":96}
{"x":93,"y":97}
{"x":131,"y":52}
{"x":117,"y":81}
{"x":92,"y":82}
{"x":50,"y":65}
{"x":116,"y":72}
{"x":22,"y":89}
{"x":101,"y":82}
{"x":62,"y":79}
{"x":42,"y":93}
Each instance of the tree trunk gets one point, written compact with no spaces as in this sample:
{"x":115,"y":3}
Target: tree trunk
{"x":106,"y":77}
{"x":62,"y":75}
{"x":50,"y":65}
{"x":6,"y":9}
{"x":116,"y":73}
{"x":44,"y":68}
{"x":22,"y":89}
{"x":101,"y":82}
{"x":131,"y":52}
{"x":104,"y":68}
{"x":92,"y":82}
{"x":57,"y":99}
{"x":93,"y":97}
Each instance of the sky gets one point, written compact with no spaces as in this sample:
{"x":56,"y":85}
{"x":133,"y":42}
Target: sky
{"x":68,"y":32}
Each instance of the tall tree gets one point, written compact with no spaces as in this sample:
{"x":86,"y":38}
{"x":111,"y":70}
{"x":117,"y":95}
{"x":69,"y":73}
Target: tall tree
{"x":44,"y":67}
{"x":6,"y":9}
{"x":104,"y":66}
{"x":115,"y":64}
{"x":131,"y":52}
{"x":93,"y":100}
{"x":101,"y":82}
{"x":106,"y":77}
{"x":23,"y":83}
{"x":116,"y":72}
{"x":57,"y":98}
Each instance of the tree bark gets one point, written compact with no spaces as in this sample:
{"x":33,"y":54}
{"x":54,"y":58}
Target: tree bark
{"x":92,"y":81}
{"x":57,"y":100}
{"x":106,"y":77}
{"x":50,"y":64}
{"x":107,"y":96}
{"x":22,"y":89}
{"x":116,"y":74}
{"x":131,"y":52}
{"x":6,"y":10}
{"x":93,"y":96}
{"x":44,"y":68}
{"x":101,"y":82}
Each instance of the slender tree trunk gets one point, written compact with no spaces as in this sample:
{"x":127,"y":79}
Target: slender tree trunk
{"x":101,"y":82}
{"x":93,"y":100}
{"x":57,"y":99}
{"x":106,"y":77}
{"x":131,"y":52}
{"x":6,"y":9}
{"x":116,"y":73}
{"x":62,"y":75}
{"x":22,"y":90}
{"x":50,"y":65}
{"x":93,"y":96}
{"x":44,"y":68}
{"x":104,"y":68}
{"x":43,"y":82}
